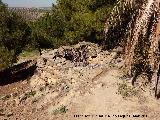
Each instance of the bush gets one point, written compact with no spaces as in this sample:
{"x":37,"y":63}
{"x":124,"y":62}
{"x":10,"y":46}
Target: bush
{"x":72,"y":21}
{"x":127,"y":91}
{"x":6,"y":57}
{"x":14,"y":35}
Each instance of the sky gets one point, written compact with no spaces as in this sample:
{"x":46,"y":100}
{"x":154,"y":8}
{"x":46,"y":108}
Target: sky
{"x":29,"y":3}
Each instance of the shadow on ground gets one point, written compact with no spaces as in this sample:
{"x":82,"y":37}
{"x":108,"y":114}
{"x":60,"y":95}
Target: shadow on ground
{"x":17,"y":73}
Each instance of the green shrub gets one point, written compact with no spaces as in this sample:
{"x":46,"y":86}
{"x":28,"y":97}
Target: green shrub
{"x":126,"y":91}
{"x":14,"y":36}
{"x":61,"y":110}
{"x":72,"y":21}
{"x":7,"y":58}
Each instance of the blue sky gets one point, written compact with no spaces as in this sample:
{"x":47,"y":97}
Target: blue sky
{"x":29,"y":3}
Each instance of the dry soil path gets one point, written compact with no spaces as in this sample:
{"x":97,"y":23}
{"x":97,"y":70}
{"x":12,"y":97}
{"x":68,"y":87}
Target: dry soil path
{"x":105,"y":101}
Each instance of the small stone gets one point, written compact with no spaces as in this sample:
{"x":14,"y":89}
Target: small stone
{"x":9,"y":114}
{"x":100,"y":85}
{"x":15,"y":95}
{"x":17,"y":101}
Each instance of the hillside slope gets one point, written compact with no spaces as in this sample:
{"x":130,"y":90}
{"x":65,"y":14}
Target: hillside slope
{"x":67,"y":83}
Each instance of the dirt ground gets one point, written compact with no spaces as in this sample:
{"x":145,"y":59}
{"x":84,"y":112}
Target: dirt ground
{"x":102,"y":99}
{"x":105,"y":101}
{"x":99,"y":92}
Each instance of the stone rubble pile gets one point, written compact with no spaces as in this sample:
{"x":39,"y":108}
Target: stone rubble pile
{"x":74,"y":64}
{"x":64,"y":73}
